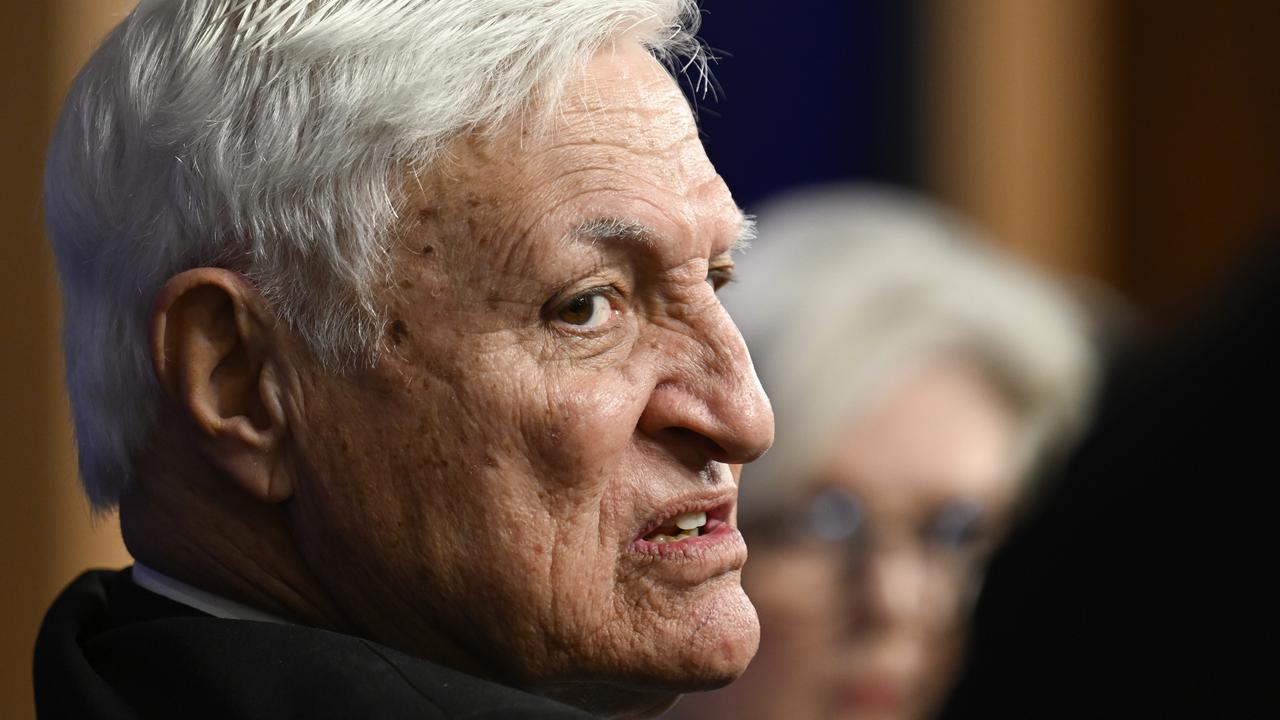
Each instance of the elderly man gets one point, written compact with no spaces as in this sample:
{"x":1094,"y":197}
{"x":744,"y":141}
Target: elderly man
{"x":391,"y":329}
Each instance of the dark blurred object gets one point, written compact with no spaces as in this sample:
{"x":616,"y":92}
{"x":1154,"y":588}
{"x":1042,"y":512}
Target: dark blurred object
{"x":1145,"y":588}
{"x":811,"y":91}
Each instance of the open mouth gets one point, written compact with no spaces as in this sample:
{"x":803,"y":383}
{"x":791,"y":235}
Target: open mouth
{"x":681,"y":527}
{"x":687,"y":526}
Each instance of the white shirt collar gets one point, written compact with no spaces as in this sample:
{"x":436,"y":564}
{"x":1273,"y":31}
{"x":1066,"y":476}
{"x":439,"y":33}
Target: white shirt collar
{"x":194,"y":597}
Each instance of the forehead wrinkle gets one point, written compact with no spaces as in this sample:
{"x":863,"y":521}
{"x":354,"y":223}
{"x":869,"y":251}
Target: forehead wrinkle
{"x":636,"y":108}
{"x":581,"y":170}
{"x":622,"y":183}
{"x":645,"y":144}
{"x":642,"y":104}
{"x":625,"y":144}
{"x":642,"y":88}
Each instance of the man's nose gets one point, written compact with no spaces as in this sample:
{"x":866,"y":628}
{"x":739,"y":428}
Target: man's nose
{"x":708,"y":395}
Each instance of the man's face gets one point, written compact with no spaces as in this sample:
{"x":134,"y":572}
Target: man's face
{"x":560,"y":382}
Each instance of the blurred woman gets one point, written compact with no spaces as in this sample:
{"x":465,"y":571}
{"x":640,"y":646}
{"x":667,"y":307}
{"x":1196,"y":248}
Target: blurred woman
{"x":920,"y":383}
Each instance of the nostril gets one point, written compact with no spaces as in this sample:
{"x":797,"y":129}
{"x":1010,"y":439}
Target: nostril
{"x":693,"y":448}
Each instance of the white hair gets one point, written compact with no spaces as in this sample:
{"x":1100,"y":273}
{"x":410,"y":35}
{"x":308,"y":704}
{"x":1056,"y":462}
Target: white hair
{"x":273,"y":137}
{"x":850,"y":288}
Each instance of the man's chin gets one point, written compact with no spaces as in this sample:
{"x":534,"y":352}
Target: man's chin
{"x":706,"y":649}
{"x":722,"y":638}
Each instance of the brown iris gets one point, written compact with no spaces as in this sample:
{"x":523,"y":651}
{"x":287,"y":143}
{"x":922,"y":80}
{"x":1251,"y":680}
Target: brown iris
{"x":588,"y":310}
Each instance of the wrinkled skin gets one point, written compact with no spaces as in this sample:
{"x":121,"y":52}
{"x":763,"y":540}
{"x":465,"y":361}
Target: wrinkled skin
{"x":475,"y":497}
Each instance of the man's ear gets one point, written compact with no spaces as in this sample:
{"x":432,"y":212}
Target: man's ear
{"x":213,"y":353}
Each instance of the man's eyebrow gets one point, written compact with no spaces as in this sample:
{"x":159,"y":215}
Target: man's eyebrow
{"x":747,"y":233}
{"x":609,"y":228}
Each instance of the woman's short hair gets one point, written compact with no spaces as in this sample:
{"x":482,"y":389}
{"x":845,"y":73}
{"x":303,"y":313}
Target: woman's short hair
{"x":851,"y":287}
{"x":273,"y":137}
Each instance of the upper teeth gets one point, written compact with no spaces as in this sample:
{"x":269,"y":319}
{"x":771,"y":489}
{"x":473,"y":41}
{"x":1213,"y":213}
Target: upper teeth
{"x":689,"y":521}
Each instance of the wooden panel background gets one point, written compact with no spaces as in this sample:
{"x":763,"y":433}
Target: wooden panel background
{"x":1017,"y":127}
{"x":1132,"y":141}
{"x":47,"y":535}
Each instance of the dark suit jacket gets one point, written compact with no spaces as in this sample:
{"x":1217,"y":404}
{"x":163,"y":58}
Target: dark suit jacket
{"x":110,"y":650}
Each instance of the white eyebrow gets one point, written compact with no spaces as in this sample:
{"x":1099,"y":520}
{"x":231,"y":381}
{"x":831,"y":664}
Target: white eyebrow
{"x":606,"y":228}
{"x":747,"y":234}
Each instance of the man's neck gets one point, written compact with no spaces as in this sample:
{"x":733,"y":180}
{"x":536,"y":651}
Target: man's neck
{"x":184,"y":522}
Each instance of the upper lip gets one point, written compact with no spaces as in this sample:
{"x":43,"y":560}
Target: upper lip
{"x":718,"y":505}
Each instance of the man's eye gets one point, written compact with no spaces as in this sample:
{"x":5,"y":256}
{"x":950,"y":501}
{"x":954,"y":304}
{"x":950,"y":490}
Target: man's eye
{"x":719,"y":277}
{"x":587,"y":311}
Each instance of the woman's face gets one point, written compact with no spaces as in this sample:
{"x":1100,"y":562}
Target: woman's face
{"x":863,"y":611}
